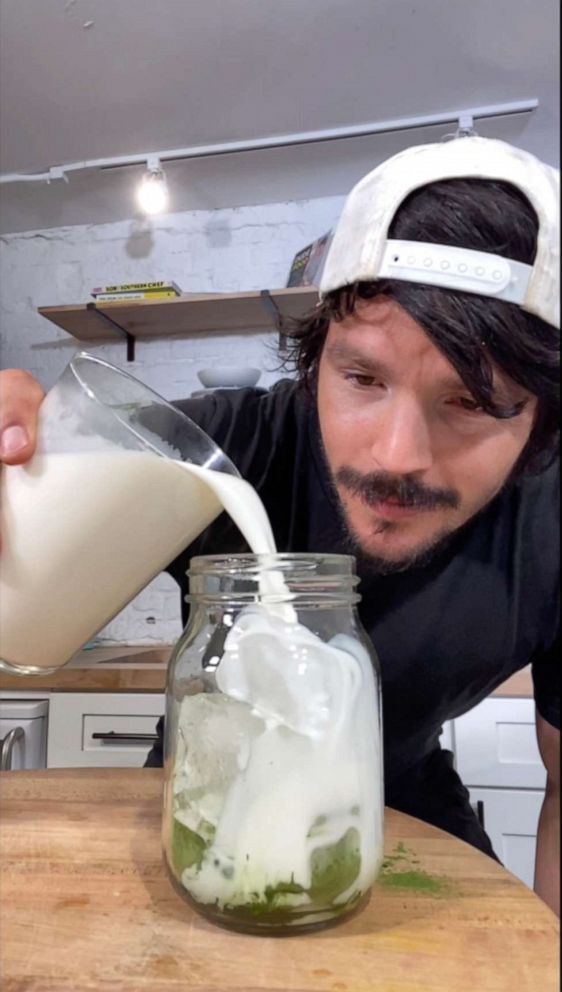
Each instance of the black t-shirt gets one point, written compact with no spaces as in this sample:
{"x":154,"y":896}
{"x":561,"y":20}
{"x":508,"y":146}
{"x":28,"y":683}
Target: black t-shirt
{"x":446,"y":634}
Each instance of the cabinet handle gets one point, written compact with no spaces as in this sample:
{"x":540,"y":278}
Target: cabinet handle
{"x":113,"y":735}
{"x":478,"y":808}
{"x":7,"y":747}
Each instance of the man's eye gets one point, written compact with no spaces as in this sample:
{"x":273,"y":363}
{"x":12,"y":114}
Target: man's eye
{"x":361,"y":379}
{"x":468,"y":404}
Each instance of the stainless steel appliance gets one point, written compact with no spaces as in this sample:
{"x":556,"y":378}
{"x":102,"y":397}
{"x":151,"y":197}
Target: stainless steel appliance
{"x":23,"y":733}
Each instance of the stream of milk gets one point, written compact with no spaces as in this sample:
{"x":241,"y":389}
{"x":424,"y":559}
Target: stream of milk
{"x":286,"y":758}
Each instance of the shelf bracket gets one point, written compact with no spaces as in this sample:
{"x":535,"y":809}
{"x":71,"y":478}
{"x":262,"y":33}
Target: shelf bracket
{"x":129,"y":338}
{"x":275,"y":313}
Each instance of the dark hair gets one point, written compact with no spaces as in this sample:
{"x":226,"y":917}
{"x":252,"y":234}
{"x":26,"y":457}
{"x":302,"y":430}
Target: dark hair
{"x":475,"y":333}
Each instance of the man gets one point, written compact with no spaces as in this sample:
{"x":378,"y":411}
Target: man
{"x":421,"y":435}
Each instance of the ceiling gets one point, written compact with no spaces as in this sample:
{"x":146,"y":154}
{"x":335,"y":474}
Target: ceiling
{"x":83,"y":79}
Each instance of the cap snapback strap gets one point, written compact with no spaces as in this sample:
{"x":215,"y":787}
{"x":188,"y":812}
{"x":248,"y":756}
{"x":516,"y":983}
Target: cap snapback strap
{"x":456,"y":268}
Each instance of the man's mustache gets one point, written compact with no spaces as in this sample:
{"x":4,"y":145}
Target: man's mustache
{"x":380,"y":487}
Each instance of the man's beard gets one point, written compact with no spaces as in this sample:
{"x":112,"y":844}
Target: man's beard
{"x":405,"y":491}
{"x":370,"y":564}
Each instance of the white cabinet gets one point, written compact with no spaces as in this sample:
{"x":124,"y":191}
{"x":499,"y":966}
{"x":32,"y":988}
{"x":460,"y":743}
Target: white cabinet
{"x":101,"y":729}
{"x":510,"y":818}
{"x":447,"y":736}
{"x":496,"y":745}
{"x":497,"y":757}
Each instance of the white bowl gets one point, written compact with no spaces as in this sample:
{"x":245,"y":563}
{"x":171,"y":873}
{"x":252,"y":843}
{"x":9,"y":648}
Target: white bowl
{"x":228,"y":376}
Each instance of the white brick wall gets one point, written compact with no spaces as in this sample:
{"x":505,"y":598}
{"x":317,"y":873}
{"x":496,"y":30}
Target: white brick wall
{"x":245,"y":248}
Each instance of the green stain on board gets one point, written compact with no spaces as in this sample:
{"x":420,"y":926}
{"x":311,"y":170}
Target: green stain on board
{"x":415,"y":881}
{"x":399,"y":871}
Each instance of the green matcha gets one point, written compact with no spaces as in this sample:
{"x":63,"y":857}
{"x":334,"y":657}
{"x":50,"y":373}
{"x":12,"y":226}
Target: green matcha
{"x":188,"y":847}
{"x":334,"y":869}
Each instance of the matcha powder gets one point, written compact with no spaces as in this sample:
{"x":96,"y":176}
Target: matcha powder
{"x":400,"y":872}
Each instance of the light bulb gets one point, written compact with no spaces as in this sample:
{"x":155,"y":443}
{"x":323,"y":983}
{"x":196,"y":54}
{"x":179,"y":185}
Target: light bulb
{"x":152,"y":194}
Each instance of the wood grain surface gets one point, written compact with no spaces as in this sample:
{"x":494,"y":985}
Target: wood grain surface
{"x":144,"y":670}
{"x":141,"y":678}
{"x":86,"y":905}
{"x":105,"y":669}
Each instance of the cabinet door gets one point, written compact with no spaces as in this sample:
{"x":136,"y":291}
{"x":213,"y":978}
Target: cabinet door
{"x":496,"y":745}
{"x":510,"y":819}
{"x":97,"y":729}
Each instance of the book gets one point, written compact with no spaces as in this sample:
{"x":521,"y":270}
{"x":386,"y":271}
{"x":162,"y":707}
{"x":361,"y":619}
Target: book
{"x":165,"y":294}
{"x":139,"y":287}
{"x":307,"y":264}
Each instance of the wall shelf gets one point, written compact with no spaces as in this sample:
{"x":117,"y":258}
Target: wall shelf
{"x":184,"y":316}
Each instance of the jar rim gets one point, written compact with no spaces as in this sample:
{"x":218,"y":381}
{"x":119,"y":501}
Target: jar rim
{"x":319,"y":579}
{"x":248,"y":563}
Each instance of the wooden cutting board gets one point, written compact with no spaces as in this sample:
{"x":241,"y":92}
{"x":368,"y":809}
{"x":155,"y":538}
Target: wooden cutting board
{"x":85,"y":905}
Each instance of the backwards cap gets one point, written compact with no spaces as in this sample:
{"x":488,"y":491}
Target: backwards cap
{"x":361,"y":250}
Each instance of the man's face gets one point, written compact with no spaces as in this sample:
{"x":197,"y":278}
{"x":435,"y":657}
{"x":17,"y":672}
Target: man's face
{"x":411,"y":455}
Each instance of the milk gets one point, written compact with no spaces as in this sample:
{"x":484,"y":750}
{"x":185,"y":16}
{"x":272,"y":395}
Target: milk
{"x":83,"y":533}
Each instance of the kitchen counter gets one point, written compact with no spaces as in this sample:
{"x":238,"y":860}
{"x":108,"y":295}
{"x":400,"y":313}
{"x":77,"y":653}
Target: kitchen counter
{"x":86,"y":905}
{"x":119,"y":668}
{"x":126,"y":668}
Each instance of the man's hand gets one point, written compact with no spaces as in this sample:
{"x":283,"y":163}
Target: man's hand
{"x":20,"y":399}
{"x":547,"y":868}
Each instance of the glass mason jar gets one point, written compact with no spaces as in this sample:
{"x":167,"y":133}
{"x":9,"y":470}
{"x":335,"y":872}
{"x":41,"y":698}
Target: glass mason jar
{"x":273,"y":802}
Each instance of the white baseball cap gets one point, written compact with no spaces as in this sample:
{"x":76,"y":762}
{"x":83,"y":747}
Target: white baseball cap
{"x":360,"y":250}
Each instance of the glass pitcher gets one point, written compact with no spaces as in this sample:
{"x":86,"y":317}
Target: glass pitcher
{"x":273,"y":801}
{"x":99,"y":511}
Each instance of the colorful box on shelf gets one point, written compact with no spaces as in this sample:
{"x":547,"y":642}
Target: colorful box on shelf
{"x":308,"y":263}
{"x":128,"y":292}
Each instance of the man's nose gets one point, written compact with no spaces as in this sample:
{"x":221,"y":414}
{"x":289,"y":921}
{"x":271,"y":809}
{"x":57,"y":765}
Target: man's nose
{"x":402,"y":439}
